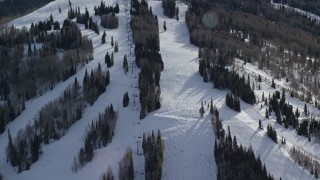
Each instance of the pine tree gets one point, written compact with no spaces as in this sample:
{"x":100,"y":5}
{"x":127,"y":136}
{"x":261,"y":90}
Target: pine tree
{"x":107,"y":80}
{"x":103,"y":40}
{"x":125,"y":100}
{"x":88,"y":149}
{"x":116,"y":47}
{"x":260,"y":124}
{"x":211,"y":107}
{"x":112,"y":43}
{"x":125,"y":64}
{"x":237,"y":104}
{"x":267,"y":113}
{"x":305,"y":110}
{"x":131,"y":169}
{"x":201,"y":110}
{"x":29,"y":50}
{"x":108,"y":60}
{"x":271,"y":132}
{"x":112,"y":59}
{"x":273,"y":85}
{"x":11,"y":151}
{"x":177,"y":13}
{"x":259,"y":78}
{"x":164,"y":26}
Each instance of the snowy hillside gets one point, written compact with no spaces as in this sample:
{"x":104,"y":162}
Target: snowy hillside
{"x":189,"y":139}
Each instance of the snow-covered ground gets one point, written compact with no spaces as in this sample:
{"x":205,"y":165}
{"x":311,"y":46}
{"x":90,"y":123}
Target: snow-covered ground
{"x":308,"y":14}
{"x":188,"y":138}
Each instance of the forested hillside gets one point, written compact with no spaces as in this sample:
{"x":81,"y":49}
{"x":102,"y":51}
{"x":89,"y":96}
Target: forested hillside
{"x":130,"y":89}
{"x":280,"y":40}
{"x":33,"y":61}
{"x":17,"y":7}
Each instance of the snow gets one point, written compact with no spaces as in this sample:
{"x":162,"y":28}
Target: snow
{"x":308,"y":14}
{"x":189,"y":138}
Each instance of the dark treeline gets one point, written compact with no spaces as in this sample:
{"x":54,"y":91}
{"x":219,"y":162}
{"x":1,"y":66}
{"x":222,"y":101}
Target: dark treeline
{"x":234,"y":161}
{"x":153,"y":147}
{"x":284,"y":112}
{"x":55,"y":119}
{"x":95,"y":84}
{"x":126,"y":99}
{"x":233,"y":102}
{"x":102,"y":9}
{"x":259,"y":33}
{"x":272,"y":133}
{"x":145,"y":32}
{"x":251,"y":17}
{"x":222,"y":78}
{"x":108,"y":15}
{"x":109,"y":59}
{"x":169,"y":8}
{"x":237,"y":162}
{"x":30,"y":63}
{"x":74,"y":12}
{"x":108,"y":175}
{"x":109,"y":21}
{"x":306,"y":5}
{"x":145,"y":28}
{"x":310,"y":128}
{"x":83,"y":19}
{"x":52,"y":122}
{"x":306,"y":160}
{"x":151,"y":66}
{"x":99,"y":134}
{"x":288,"y":117}
{"x":126,"y":169}
{"x":14,"y":7}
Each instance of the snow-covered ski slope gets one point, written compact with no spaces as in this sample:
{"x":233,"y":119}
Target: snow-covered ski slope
{"x":188,"y":138}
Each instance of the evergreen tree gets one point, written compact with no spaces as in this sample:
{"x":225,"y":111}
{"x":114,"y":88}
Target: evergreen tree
{"x":125,"y":64}
{"x":108,"y":60}
{"x":29,"y":50}
{"x":305,"y":110}
{"x":103,"y":40}
{"x":116,"y":47}
{"x":112,"y":43}
{"x":201,"y":111}
{"x":260,"y":124}
{"x":112,"y":59}
{"x":211,"y":107}
{"x":126,"y":169}
{"x":11,"y":151}
{"x":164,"y":26}
{"x":259,"y":78}
{"x":177,"y":13}
{"x":88,"y":149}
{"x":107,"y":78}
{"x":273,"y":85}
{"x":271,"y":132}
{"x":125,"y":100}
